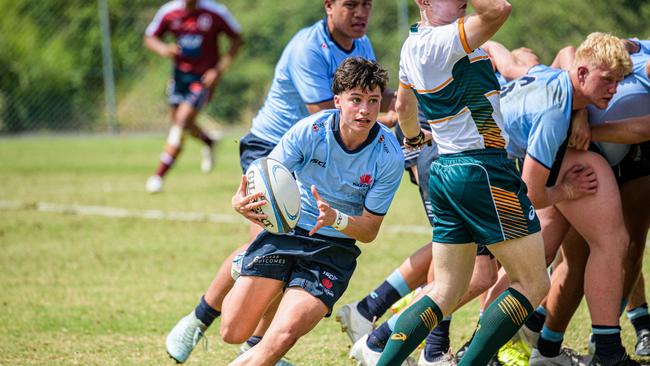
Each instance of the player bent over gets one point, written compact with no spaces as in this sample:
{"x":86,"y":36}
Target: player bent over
{"x":477,"y":195}
{"x":196,"y":25}
{"x":348,"y":168}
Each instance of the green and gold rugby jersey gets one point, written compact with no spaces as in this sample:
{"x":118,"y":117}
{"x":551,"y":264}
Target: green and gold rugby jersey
{"x":456,"y":88}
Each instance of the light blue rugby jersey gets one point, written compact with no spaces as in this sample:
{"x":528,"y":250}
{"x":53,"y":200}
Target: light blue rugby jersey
{"x":349,"y":181}
{"x":632,"y":99}
{"x":639,"y":60}
{"x":536,"y":111}
{"x":303,"y":75}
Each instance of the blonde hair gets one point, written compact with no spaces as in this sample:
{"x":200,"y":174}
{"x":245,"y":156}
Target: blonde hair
{"x":603,"y":49}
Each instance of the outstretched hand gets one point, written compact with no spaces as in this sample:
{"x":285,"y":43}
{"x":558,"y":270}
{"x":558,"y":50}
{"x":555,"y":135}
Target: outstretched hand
{"x":579,"y":181}
{"x":248,"y":205}
{"x":326,"y":215}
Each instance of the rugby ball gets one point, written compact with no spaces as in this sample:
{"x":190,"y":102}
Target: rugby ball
{"x":280,"y":191}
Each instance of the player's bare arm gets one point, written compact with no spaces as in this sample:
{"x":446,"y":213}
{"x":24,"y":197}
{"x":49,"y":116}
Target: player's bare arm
{"x":577,"y":181}
{"x":317,"y":107}
{"x":489,"y":16}
{"x":580,"y":131}
{"x":504,"y":61}
{"x":406,"y":105}
{"x":633,"y":130}
{"x":163,"y":49}
{"x":212,"y":76}
{"x":363,"y":228}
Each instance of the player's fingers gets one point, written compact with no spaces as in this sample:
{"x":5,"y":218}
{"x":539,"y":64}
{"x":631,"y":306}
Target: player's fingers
{"x":255,"y":204}
{"x":253,"y":197}
{"x":314,"y":191}
{"x":319,"y":224}
{"x":242,"y":185}
{"x":256,"y":216}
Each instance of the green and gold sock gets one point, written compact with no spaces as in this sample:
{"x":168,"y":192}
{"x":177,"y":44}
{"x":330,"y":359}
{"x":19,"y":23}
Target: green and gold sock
{"x":410,"y":330}
{"x":499,"y":323}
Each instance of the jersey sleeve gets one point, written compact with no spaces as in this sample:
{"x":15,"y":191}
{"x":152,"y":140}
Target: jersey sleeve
{"x":310,"y":76}
{"x":404,"y":81}
{"x":381,"y":193}
{"x":230,"y":25}
{"x":546,"y":136}
{"x":447,"y":44}
{"x":289,"y":151}
{"x":158,"y":25}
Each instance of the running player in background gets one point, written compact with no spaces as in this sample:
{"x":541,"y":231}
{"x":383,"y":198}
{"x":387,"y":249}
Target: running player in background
{"x":476,"y":192}
{"x":197,"y":26}
{"x":315,"y":263}
{"x":302,"y":84}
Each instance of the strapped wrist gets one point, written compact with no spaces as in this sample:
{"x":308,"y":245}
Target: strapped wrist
{"x":341,"y":221}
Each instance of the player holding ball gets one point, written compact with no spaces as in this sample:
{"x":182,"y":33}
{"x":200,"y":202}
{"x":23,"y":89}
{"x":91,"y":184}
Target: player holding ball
{"x":348,"y":168}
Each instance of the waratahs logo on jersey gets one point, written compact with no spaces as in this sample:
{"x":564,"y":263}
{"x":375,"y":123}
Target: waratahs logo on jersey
{"x":316,"y":127}
{"x":365,"y":181}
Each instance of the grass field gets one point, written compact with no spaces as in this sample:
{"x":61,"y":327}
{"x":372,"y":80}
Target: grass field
{"x":85,"y":289}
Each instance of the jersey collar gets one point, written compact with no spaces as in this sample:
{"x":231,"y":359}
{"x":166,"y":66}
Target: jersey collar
{"x":329,"y":35}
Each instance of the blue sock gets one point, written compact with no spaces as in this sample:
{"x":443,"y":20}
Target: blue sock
{"x":550,"y":342}
{"x":253,"y":340}
{"x":437,"y":342}
{"x":609,"y":348}
{"x":205,"y":313}
{"x":378,"y":338}
{"x":383,"y":297}
{"x":536,"y":320}
{"x":639,"y":318}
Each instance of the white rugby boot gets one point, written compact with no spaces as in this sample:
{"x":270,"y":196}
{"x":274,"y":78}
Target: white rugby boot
{"x":367,"y":357}
{"x":445,"y":359}
{"x":567,"y":357}
{"x":184,"y":337}
{"x":154,"y":184}
{"x":352,"y":322}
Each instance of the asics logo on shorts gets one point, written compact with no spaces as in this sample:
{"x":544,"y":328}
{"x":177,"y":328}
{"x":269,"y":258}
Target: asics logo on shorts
{"x":531,"y":213}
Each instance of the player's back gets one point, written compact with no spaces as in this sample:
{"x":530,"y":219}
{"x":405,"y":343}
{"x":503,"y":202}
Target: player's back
{"x":632,"y":99}
{"x":456,"y":88}
{"x":303,"y":75}
{"x":639,"y":61}
{"x":543,"y":96}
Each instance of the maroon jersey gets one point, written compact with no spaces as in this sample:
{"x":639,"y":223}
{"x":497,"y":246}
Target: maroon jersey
{"x":197,"y":32}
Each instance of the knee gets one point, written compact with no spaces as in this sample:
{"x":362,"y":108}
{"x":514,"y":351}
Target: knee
{"x":537,"y":290}
{"x":232,"y":334}
{"x":281,"y":340}
{"x":483,"y":281}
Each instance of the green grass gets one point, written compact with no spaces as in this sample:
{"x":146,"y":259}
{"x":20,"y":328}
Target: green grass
{"x":90,"y":290}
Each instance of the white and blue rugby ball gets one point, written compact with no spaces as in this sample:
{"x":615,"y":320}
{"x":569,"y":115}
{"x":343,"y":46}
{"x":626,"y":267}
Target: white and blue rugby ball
{"x":280,"y":191}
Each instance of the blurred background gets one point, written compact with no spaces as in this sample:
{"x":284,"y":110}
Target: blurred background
{"x":80,"y":66}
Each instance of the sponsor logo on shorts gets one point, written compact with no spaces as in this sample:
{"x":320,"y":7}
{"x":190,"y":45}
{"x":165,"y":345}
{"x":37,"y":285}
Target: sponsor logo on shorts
{"x":398,"y":336}
{"x":327,"y":283}
{"x":531,"y":213}
{"x":330,"y":276}
{"x":267,"y":260}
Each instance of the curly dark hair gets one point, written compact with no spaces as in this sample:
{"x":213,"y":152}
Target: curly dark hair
{"x":357,"y":72}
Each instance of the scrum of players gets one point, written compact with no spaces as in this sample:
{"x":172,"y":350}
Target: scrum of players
{"x":522,"y":167}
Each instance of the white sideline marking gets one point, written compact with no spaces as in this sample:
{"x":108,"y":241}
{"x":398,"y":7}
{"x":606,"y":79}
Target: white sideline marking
{"x":119,"y":212}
